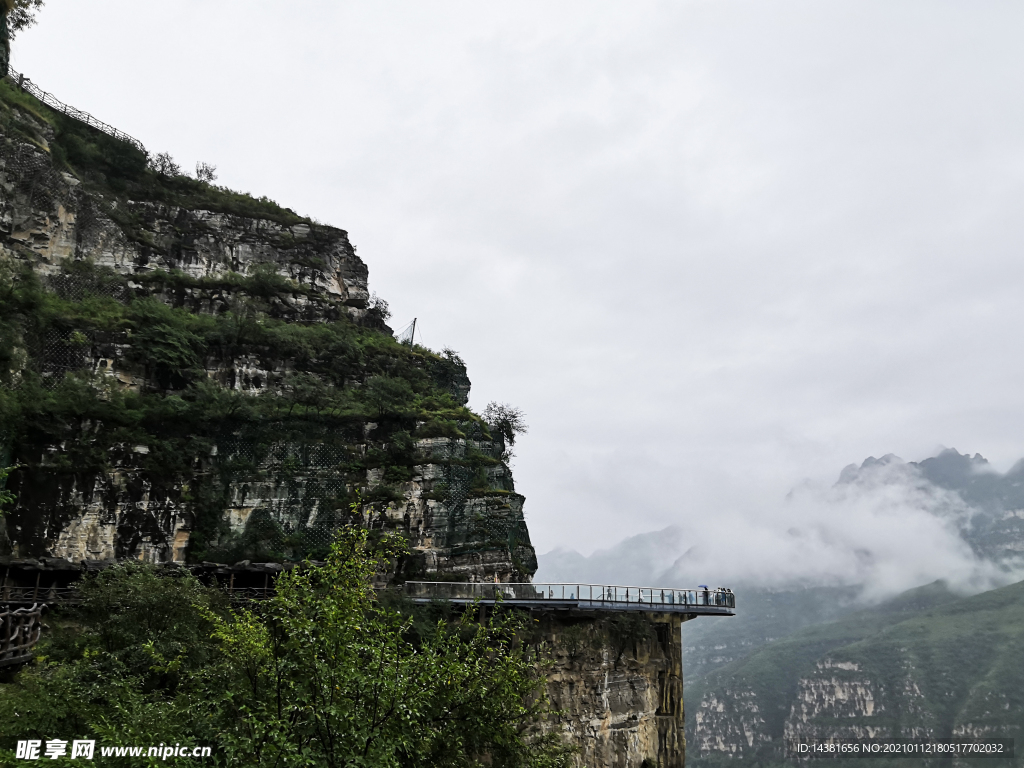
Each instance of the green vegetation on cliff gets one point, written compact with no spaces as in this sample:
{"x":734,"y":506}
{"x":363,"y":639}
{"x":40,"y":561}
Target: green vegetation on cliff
{"x":117,"y":169}
{"x":926,"y":664}
{"x":227,"y":350}
{"x":322,"y":674}
{"x":333,"y":378}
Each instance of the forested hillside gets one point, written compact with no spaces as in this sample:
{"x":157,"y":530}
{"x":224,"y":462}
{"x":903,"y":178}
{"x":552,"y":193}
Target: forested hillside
{"x":927,"y":664}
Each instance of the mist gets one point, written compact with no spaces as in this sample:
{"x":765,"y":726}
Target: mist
{"x":884,"y":528}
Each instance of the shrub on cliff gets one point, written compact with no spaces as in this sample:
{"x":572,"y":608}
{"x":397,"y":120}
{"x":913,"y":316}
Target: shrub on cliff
{"x":6,"y":497}
{"x":318,"y":384}
{"x":321,"y":674}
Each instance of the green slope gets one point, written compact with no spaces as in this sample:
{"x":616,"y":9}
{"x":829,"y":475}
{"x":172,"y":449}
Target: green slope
{"x":765,"y":615}
{"x":930,"y":663}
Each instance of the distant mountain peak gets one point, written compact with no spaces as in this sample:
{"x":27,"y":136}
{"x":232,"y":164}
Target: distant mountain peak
{"x":852,"y":472}
{"x":995,"y":530}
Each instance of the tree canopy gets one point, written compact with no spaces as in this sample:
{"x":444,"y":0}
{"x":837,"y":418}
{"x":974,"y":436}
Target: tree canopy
{"x":322,"y":674}
{"x":21,"y":14}
{"x":508,"y":420}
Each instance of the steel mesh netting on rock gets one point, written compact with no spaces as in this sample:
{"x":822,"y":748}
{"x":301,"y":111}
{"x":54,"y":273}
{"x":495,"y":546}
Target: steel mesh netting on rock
{"x":32,"y":176}
{"x":468,"y":530}
{"x":72,"y":286}
{"x":479,"y":532}
{"x":38,"y":185}
{"x":298,"y":489}
{"x":465,"y":530}
{"x":67,"y":351}
{"x":313,"y":458}
{"x":291,"y":538}
{"x":96,"y":233}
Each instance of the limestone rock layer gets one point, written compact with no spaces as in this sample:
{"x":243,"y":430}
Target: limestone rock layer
{"x":190,"y":373}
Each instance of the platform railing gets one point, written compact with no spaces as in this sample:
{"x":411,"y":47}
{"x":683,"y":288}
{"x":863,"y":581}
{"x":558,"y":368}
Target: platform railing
{"x":590,"y":595}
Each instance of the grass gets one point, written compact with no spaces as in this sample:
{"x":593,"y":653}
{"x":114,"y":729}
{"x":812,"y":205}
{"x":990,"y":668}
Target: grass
{"x":119,"y":170}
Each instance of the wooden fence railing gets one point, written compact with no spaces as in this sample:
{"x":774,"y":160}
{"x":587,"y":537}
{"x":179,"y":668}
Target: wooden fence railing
{"x":20,"y":629}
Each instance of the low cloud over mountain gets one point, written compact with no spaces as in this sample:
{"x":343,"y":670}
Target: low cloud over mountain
{"x":886,"y":526}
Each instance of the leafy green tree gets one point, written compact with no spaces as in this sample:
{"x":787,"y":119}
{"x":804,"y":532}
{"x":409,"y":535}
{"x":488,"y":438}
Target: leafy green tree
{"x":322,"y":674}
{"x":21,"y":13}
{"x":507,"y":420}
{"x":326,"y":675}
{"x":127,"y":667}
{"x":388,"y":395}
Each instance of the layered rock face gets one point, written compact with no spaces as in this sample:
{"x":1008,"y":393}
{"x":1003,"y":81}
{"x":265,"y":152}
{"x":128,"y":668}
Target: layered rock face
{"x":134,"y":295}
{"x":618,"y":685}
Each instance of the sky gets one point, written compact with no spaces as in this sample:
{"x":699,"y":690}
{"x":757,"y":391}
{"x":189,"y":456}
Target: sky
{"x":712,"y":248}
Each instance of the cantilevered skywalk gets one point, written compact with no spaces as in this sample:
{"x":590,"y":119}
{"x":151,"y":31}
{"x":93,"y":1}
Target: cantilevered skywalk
{"x":590,"y":597}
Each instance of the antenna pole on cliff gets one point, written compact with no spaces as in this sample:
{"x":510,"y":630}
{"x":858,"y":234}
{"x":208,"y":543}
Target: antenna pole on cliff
{"x":412,"y":333}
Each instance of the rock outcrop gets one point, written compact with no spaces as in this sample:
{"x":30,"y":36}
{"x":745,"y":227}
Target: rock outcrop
{"x":132,"y":291}
{"x":618,"y":685}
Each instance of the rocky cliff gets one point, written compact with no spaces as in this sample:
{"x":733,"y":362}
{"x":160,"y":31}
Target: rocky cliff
{"x":194,"y":374}
{"x":617,"y":683}
{"x":993,"y":502}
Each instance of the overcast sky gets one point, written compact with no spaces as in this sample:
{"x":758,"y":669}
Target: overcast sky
{"x":711,"y":248}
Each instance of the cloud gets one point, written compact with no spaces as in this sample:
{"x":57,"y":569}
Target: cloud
{"x":635,"y":561}
{"x":709,"y":248}
{"x":885,"y":527}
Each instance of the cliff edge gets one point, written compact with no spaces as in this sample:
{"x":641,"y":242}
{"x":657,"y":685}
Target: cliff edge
{"x":193,"y":374}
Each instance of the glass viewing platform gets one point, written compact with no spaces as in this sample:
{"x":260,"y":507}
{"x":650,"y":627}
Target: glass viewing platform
{"x":591,"y":597}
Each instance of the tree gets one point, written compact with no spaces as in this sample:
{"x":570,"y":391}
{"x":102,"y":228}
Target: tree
{"x":322,"y":674}
{"x":326,"y":675}
{"x":378,"y":308}
{"x":21,"y":14}
{"x":388,"y":395}
{"x":506,"y":420}
{"x":165,"y":165}
{"x":206,"y":173}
